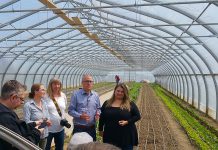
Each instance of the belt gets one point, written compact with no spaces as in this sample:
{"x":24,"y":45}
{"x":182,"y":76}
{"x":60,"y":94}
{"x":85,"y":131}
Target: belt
{"x":84,"y":127}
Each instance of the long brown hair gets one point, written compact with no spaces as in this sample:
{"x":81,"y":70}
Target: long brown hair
{"x":50,"y":91}
{"x":126,"y":100}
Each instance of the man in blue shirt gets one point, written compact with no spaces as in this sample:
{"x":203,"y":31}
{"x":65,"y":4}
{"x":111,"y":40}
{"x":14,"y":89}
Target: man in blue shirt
{"x":85,"y":108}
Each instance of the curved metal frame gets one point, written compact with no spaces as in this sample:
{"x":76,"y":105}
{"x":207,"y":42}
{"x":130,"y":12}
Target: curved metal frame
{"x":180,"y":72}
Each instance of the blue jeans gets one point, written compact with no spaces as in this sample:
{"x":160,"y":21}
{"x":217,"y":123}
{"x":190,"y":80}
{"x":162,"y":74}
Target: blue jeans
{"x":58,"y":139}
{"x":129,"y":147}
{"x":91,"y":131}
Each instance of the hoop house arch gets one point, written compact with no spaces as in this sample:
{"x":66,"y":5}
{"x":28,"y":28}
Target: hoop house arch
{"x":175,"y":41}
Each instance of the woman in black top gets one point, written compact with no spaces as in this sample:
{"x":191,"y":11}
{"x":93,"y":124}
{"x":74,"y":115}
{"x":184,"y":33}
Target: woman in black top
{"x":117,"y":119}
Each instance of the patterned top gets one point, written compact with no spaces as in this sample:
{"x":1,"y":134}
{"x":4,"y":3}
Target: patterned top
{"x":33,"y":113}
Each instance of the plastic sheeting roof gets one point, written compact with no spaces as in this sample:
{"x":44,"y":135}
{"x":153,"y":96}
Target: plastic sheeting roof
{"x":110,"y":35}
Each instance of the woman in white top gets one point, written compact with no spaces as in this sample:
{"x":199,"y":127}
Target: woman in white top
{"x":35,"y":109}
{"x":56,"y":130}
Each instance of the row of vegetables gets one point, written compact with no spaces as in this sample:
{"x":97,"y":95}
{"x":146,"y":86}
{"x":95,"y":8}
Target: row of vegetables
{"x":198,"y":130}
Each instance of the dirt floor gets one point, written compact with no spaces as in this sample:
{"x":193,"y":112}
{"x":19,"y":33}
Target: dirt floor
{"x":157,"y":128}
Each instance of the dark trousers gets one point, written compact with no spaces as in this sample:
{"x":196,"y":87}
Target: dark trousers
{"x":90,"y":130}
{"x":130,"y":147}
{"x":58,"y":139}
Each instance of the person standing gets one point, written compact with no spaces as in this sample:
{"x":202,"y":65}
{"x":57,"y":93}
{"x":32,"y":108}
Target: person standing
{"x":56,"y":104}
{"x":117,"y":119}
{"x":35,"y":109}
{"x":117,"y":79}
{"x":13,"y":94}
{"x":85,"y":108}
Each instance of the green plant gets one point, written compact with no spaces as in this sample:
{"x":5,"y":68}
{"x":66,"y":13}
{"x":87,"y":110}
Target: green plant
{"x":199,"y":134}
{"x":134,"y":89}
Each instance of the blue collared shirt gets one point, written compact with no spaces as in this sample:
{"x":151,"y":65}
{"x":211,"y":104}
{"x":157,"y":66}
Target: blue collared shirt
{"x":81,"y":101}
{"x":33,"y":113}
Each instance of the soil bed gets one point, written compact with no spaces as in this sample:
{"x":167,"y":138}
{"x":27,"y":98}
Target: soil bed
{"x":157,"y":128}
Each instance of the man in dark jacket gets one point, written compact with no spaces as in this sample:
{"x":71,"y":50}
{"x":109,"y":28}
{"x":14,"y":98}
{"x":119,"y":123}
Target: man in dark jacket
{"x":13,"y":94}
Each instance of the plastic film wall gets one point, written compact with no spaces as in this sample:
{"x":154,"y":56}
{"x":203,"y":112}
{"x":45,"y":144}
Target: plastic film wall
{"x":171,"y":42}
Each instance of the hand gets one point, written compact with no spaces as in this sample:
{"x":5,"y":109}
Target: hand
{"x":97,"y":116}
{"x":101,"y":133}
{"x":49,"y":123}
{"x":123,"y":122}
{"x":38,"y":122}
{"x":84,"y":116}
{"x":41,"y":130}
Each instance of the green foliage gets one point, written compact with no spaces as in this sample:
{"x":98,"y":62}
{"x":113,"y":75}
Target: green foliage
{"x":134,"y":89}
{"x":95,"y":86}
{"x":98,"y":137}
{"x":198,"y":133}
{"x":102,"y":84}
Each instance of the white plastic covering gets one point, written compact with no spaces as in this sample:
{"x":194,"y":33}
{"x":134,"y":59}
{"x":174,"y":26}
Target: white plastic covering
{"x":173,"y":41}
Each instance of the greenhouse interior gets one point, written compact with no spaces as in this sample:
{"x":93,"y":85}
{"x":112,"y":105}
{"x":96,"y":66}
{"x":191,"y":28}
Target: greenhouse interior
{"x":165,"y":51}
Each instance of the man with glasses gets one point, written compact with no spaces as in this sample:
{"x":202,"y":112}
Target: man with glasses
{"x":85,"y":108}
{"x":13,"y":94}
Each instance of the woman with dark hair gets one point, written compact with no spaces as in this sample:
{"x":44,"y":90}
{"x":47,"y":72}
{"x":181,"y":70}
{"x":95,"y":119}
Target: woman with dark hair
{"x":56,"y":103}
{"x":36,"y":110}
{"x":117,"y":119}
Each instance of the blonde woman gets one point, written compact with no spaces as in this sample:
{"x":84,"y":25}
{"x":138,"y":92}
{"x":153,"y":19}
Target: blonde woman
{"x":56,"y":104}
{"x":35,"y":109}
{"x":117,"y":119}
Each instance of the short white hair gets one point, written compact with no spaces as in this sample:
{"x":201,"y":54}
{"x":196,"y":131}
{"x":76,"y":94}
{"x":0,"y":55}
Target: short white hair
{"x":86,"y":75}
{"x":79,"y":138}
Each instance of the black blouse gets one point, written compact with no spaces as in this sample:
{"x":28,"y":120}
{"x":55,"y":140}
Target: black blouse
{"x":114,"y":133}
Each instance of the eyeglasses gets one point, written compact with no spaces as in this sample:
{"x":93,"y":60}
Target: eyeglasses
{"x":42,"y":90}
{"x":88,"y":81}
{"x":21,"y":98}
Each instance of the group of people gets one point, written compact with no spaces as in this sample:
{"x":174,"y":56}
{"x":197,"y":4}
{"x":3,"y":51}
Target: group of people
{"x":44,"y":114}
{"x":42,"y":120}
